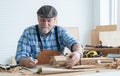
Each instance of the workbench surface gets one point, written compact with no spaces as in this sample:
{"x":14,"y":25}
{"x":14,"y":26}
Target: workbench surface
{"x":91,"y":72}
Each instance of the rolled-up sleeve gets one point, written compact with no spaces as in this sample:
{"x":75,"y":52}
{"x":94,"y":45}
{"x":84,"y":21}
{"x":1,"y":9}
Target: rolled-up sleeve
{"x":68,"y":39}
{"x":23,"y":47}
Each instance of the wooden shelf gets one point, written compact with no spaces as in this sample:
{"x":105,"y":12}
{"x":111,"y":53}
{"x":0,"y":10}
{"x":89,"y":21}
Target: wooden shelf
{"x":105,"y":51}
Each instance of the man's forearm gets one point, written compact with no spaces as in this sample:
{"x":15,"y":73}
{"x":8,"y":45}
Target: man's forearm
{"x":78,"y":48}
{"x":28,"y":62}
{"x":75,"y":56}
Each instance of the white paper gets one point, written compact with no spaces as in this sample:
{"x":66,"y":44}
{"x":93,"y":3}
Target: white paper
{"x":47,"y":69}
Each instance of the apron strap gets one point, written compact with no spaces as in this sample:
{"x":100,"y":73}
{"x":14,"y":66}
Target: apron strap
{"x":56,"y":34}
{"x":40,"y":41}
{"x":38,"y":36}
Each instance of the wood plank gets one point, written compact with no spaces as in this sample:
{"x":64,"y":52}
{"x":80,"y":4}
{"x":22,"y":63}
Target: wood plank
{"x":106,"y":51}
{"x":95,"y":37}
{"x":74,"y":31}
{"x":84,"y":67}
{"x":107,"y":27}
{"x":111,"y":38}
{"x":95,"y":33}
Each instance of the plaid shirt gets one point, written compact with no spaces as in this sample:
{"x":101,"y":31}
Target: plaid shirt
{"x":28,"y":42}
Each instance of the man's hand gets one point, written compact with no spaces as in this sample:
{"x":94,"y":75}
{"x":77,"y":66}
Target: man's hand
{"x":28,"y":62}
{"x":75,"y":56}
{"x":74,"y":59}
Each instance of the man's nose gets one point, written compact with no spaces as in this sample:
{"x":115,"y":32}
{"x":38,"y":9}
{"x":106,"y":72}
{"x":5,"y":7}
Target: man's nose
{"x":46,"y":23}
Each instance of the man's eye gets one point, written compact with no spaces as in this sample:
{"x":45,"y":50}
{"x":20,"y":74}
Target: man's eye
{"x":49,"y":20}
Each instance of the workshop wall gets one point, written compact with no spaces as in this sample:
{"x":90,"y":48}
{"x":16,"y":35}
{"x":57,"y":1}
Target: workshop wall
{"x":16,"y":15}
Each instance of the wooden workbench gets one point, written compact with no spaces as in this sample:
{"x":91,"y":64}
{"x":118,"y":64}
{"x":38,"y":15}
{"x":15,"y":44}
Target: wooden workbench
{"x":106,"y":51}
{"x":91,"y":72}
{"x":88,"y":73}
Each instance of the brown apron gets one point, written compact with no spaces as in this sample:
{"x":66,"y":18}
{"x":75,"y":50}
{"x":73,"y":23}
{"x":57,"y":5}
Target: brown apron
{"x":45,"y":55}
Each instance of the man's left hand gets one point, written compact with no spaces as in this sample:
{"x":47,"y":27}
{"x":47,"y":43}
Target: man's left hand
{"x":74,"y":59}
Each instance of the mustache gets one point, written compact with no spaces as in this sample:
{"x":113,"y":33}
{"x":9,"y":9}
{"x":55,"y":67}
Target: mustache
{"x":45,"y":27}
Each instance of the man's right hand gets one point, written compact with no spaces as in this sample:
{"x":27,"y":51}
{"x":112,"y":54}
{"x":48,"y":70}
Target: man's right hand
{"x":28,"y":62}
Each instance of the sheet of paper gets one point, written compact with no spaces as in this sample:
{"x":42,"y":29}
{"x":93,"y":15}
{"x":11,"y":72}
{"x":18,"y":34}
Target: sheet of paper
{"x":47,"y":69}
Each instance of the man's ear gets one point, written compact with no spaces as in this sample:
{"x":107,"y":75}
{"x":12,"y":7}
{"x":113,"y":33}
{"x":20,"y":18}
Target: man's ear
{"x":55,"y":20}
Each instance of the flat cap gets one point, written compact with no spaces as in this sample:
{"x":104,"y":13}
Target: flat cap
{"x":47,"y":11}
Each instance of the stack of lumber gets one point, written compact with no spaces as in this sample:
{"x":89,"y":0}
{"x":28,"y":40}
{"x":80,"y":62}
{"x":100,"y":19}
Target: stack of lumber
{"x":85,"y":63}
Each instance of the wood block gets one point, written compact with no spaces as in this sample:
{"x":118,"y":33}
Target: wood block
{"x":45,"y":55}
{"x":95,"y":61}
{"x":102,"y":63}
{"x":118,"y":62}
{"x":89,"y":62}
{"x":86,"y":66}
{"x":58,"y":61}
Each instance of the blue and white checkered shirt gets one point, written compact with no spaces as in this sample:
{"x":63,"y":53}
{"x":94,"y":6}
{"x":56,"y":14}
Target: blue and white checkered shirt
{"x":28,"y":42}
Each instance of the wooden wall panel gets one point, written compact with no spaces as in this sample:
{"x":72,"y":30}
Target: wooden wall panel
{"x":101,"y":28}
{"x":107,"y":28}
{"x":74,"y":31}
{"x":95,"y":37}
{"x":111,"y":38}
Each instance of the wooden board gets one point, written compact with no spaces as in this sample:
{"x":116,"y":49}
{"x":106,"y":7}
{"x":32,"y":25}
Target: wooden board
{"x":45,"y":55}
{"x":106,"y":27}
{"x":95,"y":32}
{"x":84,"y":72}
{"x":111,"y":38}
{"x":106,"y":51}
{"x":86,"y":66}
{"x":48,"y":69}
{"x":94,"y":37}
{"x":74,"y":31}
{"x":101,"y":72}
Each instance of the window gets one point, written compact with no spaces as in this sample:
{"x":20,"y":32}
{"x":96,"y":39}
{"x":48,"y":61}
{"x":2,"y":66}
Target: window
{"x":108,"y":12}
